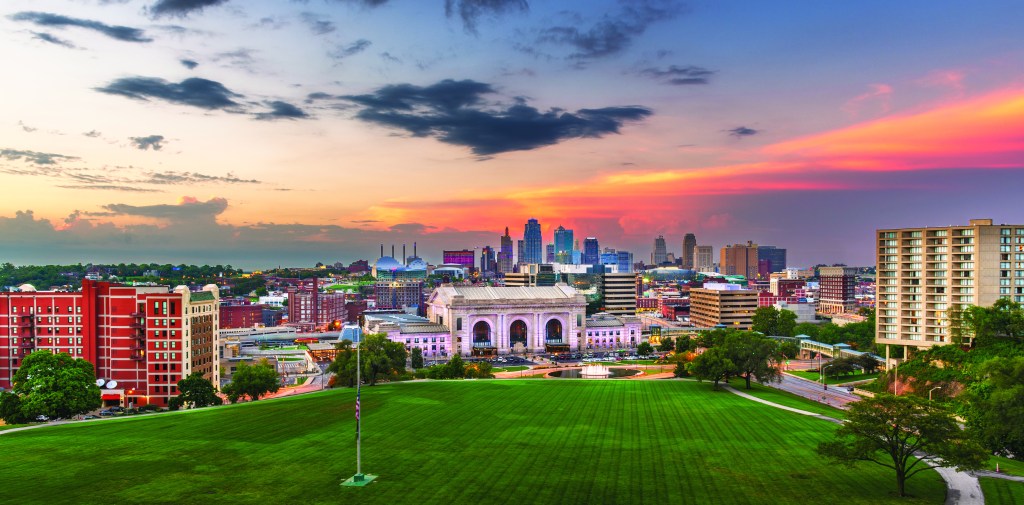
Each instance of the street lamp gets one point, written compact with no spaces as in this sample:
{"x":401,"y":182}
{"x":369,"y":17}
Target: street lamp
{"x":930,"y":392}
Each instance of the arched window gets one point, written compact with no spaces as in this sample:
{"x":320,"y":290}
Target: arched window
{"x":553,"y":331}
{"x":481,"y":333}
{"x":517,"y":333}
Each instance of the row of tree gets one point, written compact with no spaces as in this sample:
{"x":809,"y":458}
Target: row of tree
{"x":379,"y":358}
{"x":860,"y":336}
{"x":729,"y":353}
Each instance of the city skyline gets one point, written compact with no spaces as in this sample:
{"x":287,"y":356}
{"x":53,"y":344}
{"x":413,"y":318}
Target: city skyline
{"x":265,"y":133}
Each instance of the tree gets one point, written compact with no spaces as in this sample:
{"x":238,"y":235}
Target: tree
{"x":682,"y":343}
{"x":789,"y":348}
{"x":787,"y":323}
{"x":57,"y":386}
{"x":713,"y":365}
{"x":645,"y":349}
{"x":196,"y":391}
{"x":381,"y":357}
{"x":888,"y":430}
{"x":766,"y":321}
{"x":869,"y":364}
{"x":1003,"y":321}
{"x":997,"y":406}
{"x":838,"y":367}
{"x":667,"y":344}
{"x":809,"y":329}
{"x":417,"y":358}
{"x":344,"y":365}
{"x":253,"y":381}
{"x":754,"y":356}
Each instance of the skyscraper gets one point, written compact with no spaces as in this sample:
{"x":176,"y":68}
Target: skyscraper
{"x":660,"y":254}
{"x":505,"y":253}
{"x":520,"y":253}
{"x":533,"y":250}
{"x":549,"y":253}
{"x":488,"y":263}
{"x":563,"y":245}
{"x":625,"y":261}
{"x":689,"y":245}
{"x":704,"y":258}
{"x":591,"y":256}
{"x":771,"y":258}
{"x":740,"y":259}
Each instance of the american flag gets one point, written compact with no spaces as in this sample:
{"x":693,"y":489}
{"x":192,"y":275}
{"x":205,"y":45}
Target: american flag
{"x":357,"y":405}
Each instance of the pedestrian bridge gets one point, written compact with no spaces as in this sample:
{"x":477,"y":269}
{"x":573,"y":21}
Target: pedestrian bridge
{"x":809,"y":348}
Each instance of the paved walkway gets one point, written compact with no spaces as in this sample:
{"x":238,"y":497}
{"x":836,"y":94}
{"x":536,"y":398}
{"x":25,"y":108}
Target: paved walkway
{"x":962,"y":488}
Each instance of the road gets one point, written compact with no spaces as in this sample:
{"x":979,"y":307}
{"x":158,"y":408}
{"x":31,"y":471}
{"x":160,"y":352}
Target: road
{"x":834,"y":396}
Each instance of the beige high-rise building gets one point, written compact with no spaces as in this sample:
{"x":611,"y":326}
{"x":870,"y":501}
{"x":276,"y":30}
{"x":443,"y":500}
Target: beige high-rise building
{"x":704,"y":258}
{"x":619,"y":293}
{"x":922,"y":272}
{"x":740,"y":259}
{"x":726,"y":304}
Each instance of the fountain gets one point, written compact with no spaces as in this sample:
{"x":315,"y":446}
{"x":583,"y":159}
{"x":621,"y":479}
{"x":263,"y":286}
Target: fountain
{"x":595,"y":371}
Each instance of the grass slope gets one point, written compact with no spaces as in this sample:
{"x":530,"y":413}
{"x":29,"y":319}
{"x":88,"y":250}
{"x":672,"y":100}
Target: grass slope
{"x":785,"y":398}
{"x":1002,"y":492}
{"x":509,"y":441}
{"x":816,"y":377}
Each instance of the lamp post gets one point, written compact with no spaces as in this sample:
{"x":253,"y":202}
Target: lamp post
{"x":930,"y":392}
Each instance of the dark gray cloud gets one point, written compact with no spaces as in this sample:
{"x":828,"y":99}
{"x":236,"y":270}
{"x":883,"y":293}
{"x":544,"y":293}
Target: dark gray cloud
{"x":188,"y":209}
{"x":282,"y":110}
{"x":679,"y":76}
{"x":453,"y":112}
{"x":390,"y":57}
{"x":742,"y":131}
{"x":150,"y":141}
{"x":343,"y":51}
{"x":181,"y":8}
{"x":92,"y":133}
{"x":319,"y":95}
{"x":241,"y":57}
{"x":189,"y":64}
{"x":317,"y":24}
{"x":470,"y":11}
{"x":194,"y":91}
{"x":34,"y":157}
{"x":364,"y":3}
{"x":124,"y":33}
{"x":46,"y":37}
{"x":171,"y":177}
{"x":614,"y":32}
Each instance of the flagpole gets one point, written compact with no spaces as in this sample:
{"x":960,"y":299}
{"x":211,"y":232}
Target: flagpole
{"x":359,"y":479}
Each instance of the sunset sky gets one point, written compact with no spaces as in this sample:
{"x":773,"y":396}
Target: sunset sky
{"x":271,"y":132}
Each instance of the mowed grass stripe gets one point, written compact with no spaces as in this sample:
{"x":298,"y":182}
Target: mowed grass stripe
{"x":548,"y":441}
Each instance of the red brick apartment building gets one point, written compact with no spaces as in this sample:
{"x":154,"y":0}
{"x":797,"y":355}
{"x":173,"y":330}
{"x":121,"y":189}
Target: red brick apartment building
{"x":141,"y":340}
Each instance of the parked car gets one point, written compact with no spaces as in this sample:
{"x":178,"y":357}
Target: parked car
{"x":107,"y":412}
{"x":42,"y":419}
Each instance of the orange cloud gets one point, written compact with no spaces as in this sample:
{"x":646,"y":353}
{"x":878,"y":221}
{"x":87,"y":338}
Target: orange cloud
{"x":980,"y":133}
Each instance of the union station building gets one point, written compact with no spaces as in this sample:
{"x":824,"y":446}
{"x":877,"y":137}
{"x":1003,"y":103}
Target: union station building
{"x":484,"y":321}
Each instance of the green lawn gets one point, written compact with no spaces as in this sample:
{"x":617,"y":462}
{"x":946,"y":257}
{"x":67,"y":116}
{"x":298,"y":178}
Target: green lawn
{"x":1002,"y":492}
{"x":786,"y":398}
{"x":471,"y":442}
{"x":1006,"y":465}
{"x":514,"y":368}
{"x":814,"y":376}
